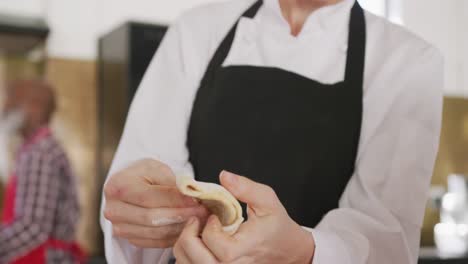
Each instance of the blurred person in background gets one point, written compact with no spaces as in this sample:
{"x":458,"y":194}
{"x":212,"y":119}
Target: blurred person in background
{"x":40,"y":211}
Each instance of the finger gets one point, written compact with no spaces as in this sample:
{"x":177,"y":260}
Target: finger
{"x":153,"y":243}
{"x":192,"y":245}
{"x":119,"y":212}
{"x":181,"y":258}
{"x":223,"y":246}
{"x":129,"y":231}
{"x":259,"y":197}
{"x":179,"y":254}
{"x":135,"y":184}
{"x":154,"y":171}
{"x":147,"y":195}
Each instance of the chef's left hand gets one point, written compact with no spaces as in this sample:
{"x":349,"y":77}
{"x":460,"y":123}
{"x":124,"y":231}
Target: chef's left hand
{"x":268,"y":236}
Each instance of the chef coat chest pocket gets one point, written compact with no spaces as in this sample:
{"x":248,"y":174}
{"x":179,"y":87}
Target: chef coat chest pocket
{"x":292,"y":133}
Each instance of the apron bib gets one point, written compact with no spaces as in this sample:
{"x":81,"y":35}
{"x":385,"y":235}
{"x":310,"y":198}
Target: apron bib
{"x":38,"y":254}
{"x":297,"y":135}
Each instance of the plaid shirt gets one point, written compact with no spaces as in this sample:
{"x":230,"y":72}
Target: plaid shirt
{"x":46,"y":203}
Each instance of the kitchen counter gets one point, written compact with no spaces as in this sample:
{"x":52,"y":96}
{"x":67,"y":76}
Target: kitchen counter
{"x":431,"y":256}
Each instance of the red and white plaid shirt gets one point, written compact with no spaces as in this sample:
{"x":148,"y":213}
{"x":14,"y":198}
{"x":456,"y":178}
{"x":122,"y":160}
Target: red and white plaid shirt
{"x":46,"y":204}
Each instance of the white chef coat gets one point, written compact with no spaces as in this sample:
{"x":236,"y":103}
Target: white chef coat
{"x":381,"y":210}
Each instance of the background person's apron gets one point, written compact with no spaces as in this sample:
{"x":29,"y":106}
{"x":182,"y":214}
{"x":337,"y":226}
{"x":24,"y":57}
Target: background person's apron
{"x":38,"y":254}
{"x":297,"y":135}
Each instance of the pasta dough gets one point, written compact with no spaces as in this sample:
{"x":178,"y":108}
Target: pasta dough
{"x":216,"y":198}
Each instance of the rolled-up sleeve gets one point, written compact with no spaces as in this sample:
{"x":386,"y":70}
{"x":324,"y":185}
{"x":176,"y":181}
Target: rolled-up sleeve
{"x":381,"y":211}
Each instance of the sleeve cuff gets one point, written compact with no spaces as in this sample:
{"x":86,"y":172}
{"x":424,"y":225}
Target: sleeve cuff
{"x":329,"y":248}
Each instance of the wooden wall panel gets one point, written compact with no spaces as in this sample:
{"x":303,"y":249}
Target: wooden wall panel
{"x":75,"y":126}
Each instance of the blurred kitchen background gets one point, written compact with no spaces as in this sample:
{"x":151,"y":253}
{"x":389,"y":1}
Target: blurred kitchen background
{"x":94,"y":52}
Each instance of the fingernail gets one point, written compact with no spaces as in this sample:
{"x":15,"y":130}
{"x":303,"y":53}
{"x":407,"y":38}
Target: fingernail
{"x":229,"y":177}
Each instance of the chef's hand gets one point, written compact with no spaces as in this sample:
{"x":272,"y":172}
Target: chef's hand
{"x":268,"y":236}
{"x":145,"y":206}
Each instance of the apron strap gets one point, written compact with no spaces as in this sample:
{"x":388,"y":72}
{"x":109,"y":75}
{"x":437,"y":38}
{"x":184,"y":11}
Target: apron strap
{"x":252,"y":11}
{"x":354,"y":74}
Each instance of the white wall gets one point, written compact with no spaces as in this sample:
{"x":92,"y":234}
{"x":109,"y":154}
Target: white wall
{"x":74,"y":28}
{"x":23,"y":7}
{"x":84,"y":21}
{"x":77,"y":24}
{"x":463,"y":25}
{"x":444,"y":24}
{"x":115,"y":12}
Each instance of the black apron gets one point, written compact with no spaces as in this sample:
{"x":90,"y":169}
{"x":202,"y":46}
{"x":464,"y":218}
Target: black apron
{"x":297,"y":135}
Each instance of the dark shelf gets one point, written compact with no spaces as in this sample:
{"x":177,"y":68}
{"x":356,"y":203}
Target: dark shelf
{"x":23,"y":26}
{"x":21,"y":34}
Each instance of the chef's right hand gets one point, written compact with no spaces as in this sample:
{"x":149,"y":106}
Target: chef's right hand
{"x":145,"y":206}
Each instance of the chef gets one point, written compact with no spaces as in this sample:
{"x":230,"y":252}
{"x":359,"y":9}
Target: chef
{"x":321,"y":117}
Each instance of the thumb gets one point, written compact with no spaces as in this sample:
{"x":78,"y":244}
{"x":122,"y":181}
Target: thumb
{"x":259,"y":197}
